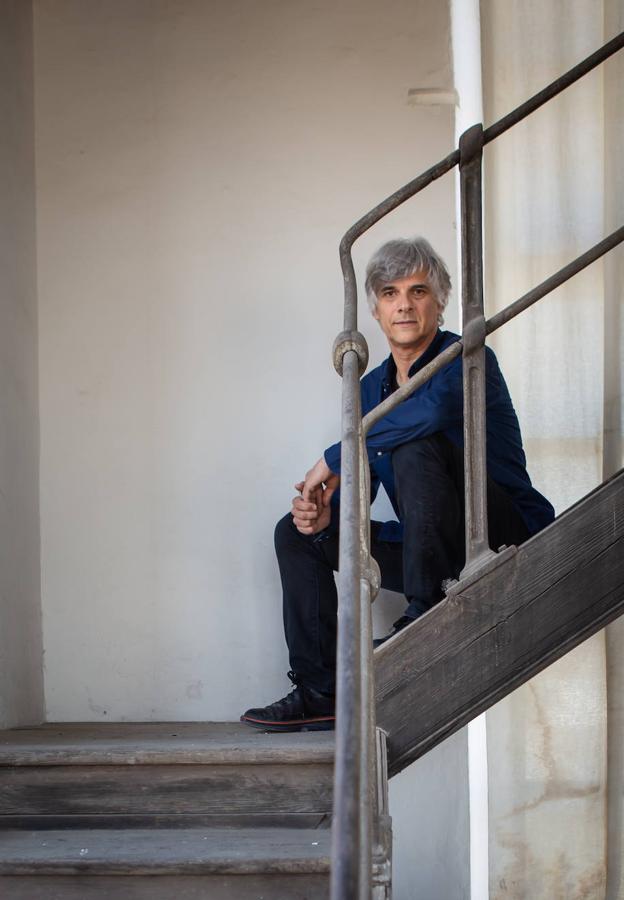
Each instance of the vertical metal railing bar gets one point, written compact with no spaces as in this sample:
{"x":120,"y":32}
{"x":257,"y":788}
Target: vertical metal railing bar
{"x":370,"y":581}
{"x":346,"y":843}
{"x":367,"y":752}
{"x":473,"y":333}
{"x":554,"y":88}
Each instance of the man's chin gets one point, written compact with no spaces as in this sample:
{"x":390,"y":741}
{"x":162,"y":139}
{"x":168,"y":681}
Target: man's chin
{"x":407,"y":340}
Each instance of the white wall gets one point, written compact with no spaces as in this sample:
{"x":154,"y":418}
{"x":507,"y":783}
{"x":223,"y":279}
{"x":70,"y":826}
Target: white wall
{"x":197,"y":164}
{"x":430,"y":817}
{"x":21,"y":683}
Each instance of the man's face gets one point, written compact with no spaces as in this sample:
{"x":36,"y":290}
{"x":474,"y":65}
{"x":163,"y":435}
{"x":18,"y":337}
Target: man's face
{"x":407,"y":312}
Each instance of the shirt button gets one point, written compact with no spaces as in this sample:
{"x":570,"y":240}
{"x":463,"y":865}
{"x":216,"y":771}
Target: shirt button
{"x":380,"y":453}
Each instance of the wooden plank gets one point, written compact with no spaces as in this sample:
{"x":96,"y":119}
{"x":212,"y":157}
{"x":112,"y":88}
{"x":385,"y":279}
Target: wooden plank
{"x":181,"y":820}
{"x":497,"y":630}
{"x":192,"y":851}
{"x":180,"y":887}
{"x":165,"y":790}
{"x":159,"y":743}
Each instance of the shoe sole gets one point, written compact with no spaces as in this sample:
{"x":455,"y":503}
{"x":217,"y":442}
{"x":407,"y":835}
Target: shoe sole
{"x":326,"y":724}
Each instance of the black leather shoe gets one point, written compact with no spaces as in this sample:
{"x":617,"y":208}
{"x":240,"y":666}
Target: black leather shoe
{"x":399,"y":625}
{"x":304,"y":709}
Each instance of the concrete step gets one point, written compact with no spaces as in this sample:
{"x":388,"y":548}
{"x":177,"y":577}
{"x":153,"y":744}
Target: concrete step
{"x":163,"y":774}
{"x":186,"y":863}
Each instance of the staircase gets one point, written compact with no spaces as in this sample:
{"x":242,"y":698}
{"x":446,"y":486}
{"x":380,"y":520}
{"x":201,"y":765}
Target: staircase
{"x":219,"y":810}
{"x":494,"y":631}
{"x":165,"y":810}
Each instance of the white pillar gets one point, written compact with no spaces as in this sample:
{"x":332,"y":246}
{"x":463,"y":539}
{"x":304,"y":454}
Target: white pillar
{"x":466,"y":42}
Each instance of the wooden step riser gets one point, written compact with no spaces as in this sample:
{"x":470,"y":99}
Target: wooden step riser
{"x":165,"y":790}
{"x":165,"y":887}
{"x":183,"y":820}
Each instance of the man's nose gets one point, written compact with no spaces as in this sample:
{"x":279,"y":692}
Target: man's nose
{"x":405,"y":301}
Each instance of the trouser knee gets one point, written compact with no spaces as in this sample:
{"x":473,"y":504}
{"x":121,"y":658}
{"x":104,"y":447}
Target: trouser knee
{"x":284,"y":535}
{"x":431,"y":457}
{"x":432,"y":448}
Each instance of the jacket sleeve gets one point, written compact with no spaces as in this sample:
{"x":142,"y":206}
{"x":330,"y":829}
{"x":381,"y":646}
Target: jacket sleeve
{"x":435,"y":406}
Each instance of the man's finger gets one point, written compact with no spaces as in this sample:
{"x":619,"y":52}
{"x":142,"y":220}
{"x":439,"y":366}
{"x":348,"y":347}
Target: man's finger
{"x":309,"y":491}
{"x":300,"y":516}
{"x":299,"y":503}
{"x":305,"y":529}
{"x":330,"y":488}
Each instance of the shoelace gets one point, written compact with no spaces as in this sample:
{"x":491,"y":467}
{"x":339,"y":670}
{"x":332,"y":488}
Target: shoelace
{"x":285,"y":701}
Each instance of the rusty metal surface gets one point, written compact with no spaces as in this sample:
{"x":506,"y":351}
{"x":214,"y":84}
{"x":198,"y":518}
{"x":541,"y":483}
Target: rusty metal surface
{"x":473,"y":322}
{"x":368,"y":807}
{"x":350,"y":340}
{"x":346,"y":843}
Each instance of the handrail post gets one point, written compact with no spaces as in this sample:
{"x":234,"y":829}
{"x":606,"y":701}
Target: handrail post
{"x":346,"y":836}
{"x":370,"y":582}
{"x":473,"y":332}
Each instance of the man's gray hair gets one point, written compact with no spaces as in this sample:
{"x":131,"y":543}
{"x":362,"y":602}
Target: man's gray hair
{"x":403,"y":257}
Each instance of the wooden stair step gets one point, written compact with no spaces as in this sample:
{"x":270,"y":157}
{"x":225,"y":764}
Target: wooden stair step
{"x":164,"y":851}
{"x":145,"y":743}
{"x":148,"y":773}
{"x":185,"y":863}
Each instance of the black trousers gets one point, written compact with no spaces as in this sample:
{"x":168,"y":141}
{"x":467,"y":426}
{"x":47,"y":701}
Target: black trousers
{"x":429,"y":486}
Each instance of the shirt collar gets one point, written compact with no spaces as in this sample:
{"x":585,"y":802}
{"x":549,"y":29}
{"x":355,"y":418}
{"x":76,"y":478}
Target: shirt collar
{"x":388,"y":375}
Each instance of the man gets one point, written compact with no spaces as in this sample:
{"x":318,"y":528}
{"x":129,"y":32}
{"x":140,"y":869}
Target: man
{"x":416,"y":452}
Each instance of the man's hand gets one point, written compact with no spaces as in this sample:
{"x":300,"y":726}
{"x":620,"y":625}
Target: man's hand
{"x":311,"y":511}
{"x":320,"y":476}
{"x":310,"y":516}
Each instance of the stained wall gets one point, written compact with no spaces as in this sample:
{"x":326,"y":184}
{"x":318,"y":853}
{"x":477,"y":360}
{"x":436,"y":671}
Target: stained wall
{"x":21,"y":679}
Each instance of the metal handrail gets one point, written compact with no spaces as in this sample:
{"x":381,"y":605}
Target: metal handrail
{"x":354,"y":821}
{"x":493,"y":324}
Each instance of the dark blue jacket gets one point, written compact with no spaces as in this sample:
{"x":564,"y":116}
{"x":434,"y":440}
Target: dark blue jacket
{"x":438,"y":406}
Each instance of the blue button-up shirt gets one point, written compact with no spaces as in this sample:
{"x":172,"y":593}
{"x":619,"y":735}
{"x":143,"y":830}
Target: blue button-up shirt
{"x":438,"y":406}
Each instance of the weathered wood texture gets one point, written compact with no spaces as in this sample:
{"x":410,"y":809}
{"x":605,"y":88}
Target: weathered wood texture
{"x":224,"y":819}
{"x":497,"y":630}
{"x":167,"y":887}
{"x":159,"y":743}
{"x":165,"y":790}
{"x":150,"y":851}
{"x":163,"y":774}
{"x":192,"y":863}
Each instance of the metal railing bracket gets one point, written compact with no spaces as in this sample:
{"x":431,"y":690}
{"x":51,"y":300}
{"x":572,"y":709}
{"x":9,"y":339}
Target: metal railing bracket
{"x":350,"y":340}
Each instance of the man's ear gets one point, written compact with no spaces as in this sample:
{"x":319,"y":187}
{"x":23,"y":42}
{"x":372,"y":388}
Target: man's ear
{"x":375,"y":313}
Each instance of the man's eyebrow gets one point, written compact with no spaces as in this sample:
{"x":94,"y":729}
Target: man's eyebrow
{"x":391,"y":284}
